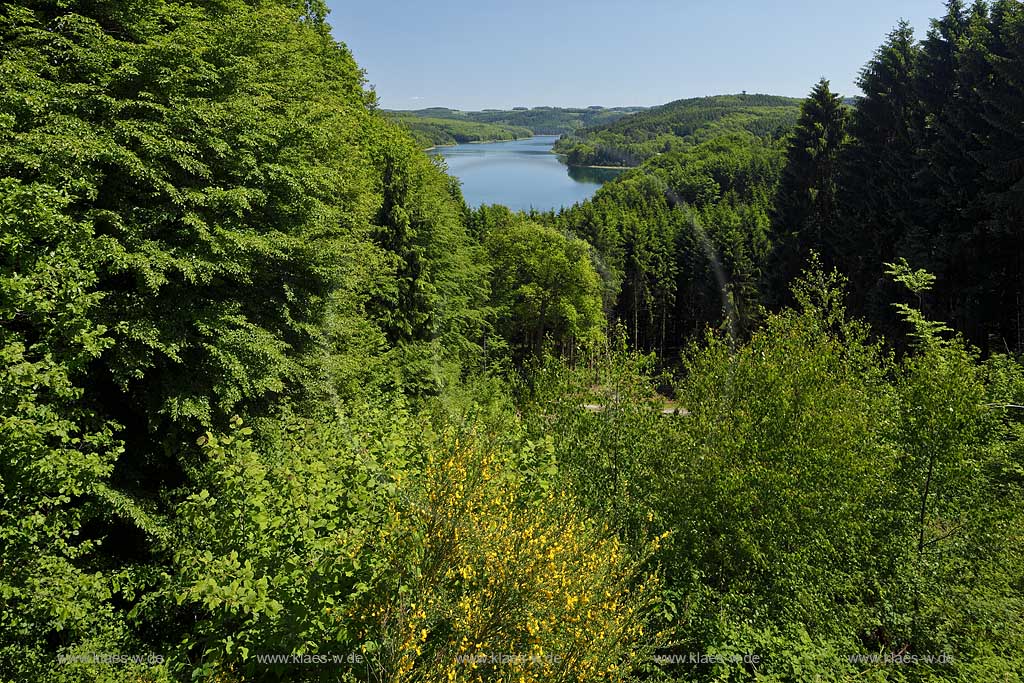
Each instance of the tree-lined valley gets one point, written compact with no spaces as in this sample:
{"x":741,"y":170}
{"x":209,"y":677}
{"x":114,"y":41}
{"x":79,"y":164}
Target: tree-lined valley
{"x":280,"y":402}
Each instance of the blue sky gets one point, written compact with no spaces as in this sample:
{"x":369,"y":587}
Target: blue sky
{"x":475,"y":54}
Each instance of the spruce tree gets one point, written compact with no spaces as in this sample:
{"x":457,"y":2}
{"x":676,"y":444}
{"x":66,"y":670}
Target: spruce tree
{"x":806,"y":215}
{"x":948,"y":181}
{"x":878,"y":167}
{"x":1001,"y":156}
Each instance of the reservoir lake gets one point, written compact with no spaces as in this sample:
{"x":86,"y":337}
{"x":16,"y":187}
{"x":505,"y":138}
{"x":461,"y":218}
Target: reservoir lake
{"x":521,"y":174}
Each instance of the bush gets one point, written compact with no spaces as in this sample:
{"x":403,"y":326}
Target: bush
{"x":823,"y":499}
{"x":354,"y":536}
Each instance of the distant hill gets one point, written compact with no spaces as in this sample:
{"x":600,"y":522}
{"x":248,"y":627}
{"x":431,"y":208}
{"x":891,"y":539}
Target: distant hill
{"x":631,"y":139}
{"x":540,"y":120}
{"x":433,"y":131}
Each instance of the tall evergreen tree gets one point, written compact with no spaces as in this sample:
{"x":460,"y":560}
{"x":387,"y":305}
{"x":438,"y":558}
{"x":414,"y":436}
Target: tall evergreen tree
{"x":948,"y":187}
{"x":937,"y":61}
{"x":806,"y":206}
{"x":1002,"y":159}
{"x":878,"y":168}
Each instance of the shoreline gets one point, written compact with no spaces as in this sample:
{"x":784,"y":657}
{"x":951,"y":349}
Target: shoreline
{"x":550,"y":151}
{"x":485,"y":142}
{"x":610,"y":168}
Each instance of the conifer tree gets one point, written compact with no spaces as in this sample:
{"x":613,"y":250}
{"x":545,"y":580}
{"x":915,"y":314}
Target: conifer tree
{"x":947,"y":187}
{"x":806,"y":205}
{"x":878,"y":167}
{"x":1002,"y":160}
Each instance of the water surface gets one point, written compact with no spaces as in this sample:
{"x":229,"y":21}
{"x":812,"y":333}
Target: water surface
{"x":521,"y":174}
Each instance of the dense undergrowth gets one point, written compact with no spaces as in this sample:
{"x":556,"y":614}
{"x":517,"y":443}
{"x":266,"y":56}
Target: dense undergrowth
{"x":276,"y":405}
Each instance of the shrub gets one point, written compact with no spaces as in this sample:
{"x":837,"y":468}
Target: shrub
{"x":410,"y":544}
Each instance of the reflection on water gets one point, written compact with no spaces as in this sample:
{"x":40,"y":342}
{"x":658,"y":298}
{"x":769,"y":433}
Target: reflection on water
{"x":599,"y":176}
{"x":521,"y":174}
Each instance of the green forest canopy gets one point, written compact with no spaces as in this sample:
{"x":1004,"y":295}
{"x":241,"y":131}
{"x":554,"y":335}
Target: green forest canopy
{"x":272,"y":393}
{"x":430,"y":132}
{"x":631,"y":139}
{"x":541,"y":120}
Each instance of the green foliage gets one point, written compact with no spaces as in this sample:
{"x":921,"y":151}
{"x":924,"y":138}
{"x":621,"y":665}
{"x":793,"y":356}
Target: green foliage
{"x":607,"y":430}
{"x":203,"y":215}
{"x":806,"y":212}
{"x":57,"y":454}
{"x":677,"y":125}
{"x":430,"y":132}
{"x":684,"y":239}
{"x":406,"y":541}
{"x":539,"y":120}
{"x":784,"y":466}
{"x":918,"y":282}
{"x":821,"y":499}
{"x":962,"y":577}
{"x":222,"y":187}
{"x":199,"y":212}
{"x":431,"y":306}
{"x":543,"y":286}
{"x":930,"y":172}
{"x":877,"y":199}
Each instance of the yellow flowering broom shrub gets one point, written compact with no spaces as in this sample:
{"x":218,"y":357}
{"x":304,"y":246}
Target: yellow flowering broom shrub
{"x":511,"y":585}
{"x":446,"y":557}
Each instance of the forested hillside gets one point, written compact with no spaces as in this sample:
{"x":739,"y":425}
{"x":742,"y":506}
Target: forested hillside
{"x":541,"y":120}
{"x":685,"y":237}
{"x":430,"y":132}
{"x":276,"y":405}
{"x":670,"y":127}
